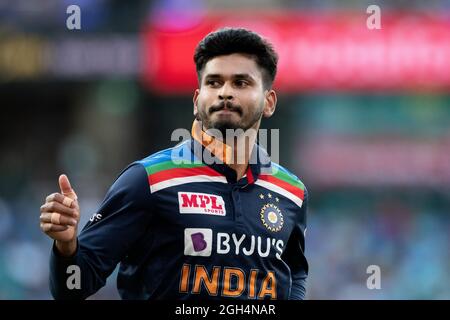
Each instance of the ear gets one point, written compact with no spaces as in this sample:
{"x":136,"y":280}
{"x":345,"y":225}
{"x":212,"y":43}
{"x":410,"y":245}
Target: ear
{"x":195,"y":100}
{"x":270,"y":103}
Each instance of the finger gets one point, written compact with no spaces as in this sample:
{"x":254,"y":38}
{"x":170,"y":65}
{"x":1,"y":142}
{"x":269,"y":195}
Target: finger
{"x":56,"y":218}
{"x":66,"y":188}
{"x":47,"y":227}
{"x":60,"y":208}
{"x":54,"y":197}
{"x":57,"y":197}
{"x":67,"y":202}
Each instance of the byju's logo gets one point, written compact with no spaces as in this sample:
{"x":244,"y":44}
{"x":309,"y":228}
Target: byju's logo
{"x":197,"y":242}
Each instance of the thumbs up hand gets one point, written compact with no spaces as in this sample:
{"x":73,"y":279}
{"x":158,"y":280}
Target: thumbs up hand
{"x":60,"y":215}
{"x":66,"y":188}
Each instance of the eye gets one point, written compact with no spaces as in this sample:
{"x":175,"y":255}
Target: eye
{"x":241,"y":83}
{"x":213,"y":83}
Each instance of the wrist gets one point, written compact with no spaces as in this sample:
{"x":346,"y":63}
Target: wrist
{"x":66,"y":248}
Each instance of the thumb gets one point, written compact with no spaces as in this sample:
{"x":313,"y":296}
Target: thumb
{"x":66,"y":188}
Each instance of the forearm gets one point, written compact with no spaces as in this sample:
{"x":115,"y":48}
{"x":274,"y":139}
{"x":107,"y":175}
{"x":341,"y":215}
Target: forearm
{"x":72,"y":277}
{"x":66,"y":249}
{"x":298,"y":289}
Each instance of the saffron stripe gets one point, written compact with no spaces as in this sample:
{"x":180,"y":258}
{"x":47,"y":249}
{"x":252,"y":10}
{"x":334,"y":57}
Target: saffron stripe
{"x":181,"y":172}
{"x":279,"y":190}
{"x":283,"y":184}
{"x":289,"y":179}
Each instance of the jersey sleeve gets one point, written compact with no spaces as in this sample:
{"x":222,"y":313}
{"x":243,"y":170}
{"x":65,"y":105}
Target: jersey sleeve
{"x":294,"y":255}
{"x":122,"y":218}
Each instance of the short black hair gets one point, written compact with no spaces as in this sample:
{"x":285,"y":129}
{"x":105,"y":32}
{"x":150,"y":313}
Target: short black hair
{"x":238,"y":40}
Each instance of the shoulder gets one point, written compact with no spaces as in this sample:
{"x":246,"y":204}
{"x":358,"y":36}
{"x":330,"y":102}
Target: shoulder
{"x":137,"y":172}
{"x":132,"y":184}
{"x":173,"y":166}
{"x":167,"y":158}
{"x":131,"y":180}
{"x":291,"y":185}
{"x":284,"y":174}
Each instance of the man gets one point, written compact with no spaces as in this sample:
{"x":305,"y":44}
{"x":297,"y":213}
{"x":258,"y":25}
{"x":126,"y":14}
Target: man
{"x":186,"y":228}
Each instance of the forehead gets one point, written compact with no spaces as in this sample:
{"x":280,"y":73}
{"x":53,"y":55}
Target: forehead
{"x":229,"y":65}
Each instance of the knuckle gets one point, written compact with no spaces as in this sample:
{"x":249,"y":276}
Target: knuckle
{"x":44,"y":227}
{"x":52,"y":197}
{"x":52,"y":206}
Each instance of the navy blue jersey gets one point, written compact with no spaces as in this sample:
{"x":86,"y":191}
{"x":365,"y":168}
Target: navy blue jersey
{"x":183,"y":229}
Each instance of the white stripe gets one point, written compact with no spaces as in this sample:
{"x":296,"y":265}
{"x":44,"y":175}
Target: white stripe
{"x":177,"y":181}
{"x":277,"y":189}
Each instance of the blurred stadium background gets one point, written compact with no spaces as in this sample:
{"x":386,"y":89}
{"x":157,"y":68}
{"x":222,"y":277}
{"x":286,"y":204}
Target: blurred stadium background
{"x":364,"y":118}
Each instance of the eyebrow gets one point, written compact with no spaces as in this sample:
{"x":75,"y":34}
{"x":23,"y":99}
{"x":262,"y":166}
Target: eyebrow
{"x":235,"y":76}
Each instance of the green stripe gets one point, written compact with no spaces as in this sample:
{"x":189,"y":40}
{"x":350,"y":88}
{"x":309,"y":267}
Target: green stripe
{"x":152,"y":169}
{"x":287,"y":178}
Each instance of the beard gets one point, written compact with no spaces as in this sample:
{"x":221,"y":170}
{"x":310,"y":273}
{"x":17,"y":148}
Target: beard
{"x":244,"y":123}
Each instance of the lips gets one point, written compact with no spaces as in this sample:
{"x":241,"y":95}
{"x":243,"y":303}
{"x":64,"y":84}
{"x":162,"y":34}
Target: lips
{"x":226,"y":108}
{"x":226,"y":111}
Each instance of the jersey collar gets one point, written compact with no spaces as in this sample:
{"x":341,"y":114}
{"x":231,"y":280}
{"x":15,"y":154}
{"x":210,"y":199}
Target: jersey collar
{"x":259,"y":160}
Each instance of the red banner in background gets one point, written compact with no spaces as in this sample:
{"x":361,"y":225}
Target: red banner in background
{"x":318,"y":51}
{"x":376,"y":162}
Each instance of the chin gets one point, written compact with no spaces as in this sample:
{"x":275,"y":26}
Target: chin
{"x":222,"y":126}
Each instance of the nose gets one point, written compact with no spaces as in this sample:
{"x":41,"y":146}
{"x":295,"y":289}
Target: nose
{"x":226,"y":92}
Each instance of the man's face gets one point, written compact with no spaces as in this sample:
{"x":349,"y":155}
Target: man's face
{"x":231,"y":94}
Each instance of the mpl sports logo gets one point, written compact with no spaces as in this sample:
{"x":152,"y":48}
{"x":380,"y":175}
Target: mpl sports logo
{"x":201,"y":203}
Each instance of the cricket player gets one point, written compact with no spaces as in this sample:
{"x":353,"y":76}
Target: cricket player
{"x":211,"y":218}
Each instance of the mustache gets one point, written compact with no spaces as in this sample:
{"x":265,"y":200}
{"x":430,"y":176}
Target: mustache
{"x":222,"y":105}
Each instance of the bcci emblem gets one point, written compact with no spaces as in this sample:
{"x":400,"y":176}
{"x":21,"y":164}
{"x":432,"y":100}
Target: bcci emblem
{"x":271,"y":217}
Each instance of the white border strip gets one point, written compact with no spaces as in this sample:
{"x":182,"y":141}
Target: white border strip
{"x":277,"y":189}
{"x":182,"y":180}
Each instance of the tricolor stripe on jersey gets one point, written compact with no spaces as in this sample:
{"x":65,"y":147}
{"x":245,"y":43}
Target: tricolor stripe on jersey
{"x":284,"y":183}
{"x":164,"y":172}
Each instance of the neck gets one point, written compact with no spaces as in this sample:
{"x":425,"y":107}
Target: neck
{"x":242,"y":147}
{"x":235,"y":151}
